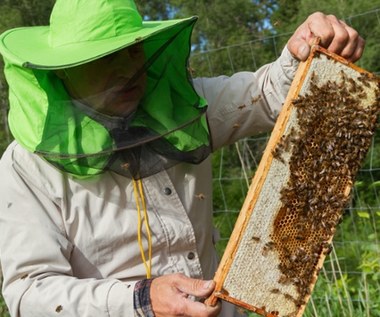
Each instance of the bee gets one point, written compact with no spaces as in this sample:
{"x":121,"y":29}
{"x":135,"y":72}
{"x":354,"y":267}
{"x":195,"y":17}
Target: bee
{"x":299,"y":302}
{"x":314,"y":88}
{"x":276,"y":153}
{"x":284,"y":280}
{"x":305,"y":258}
{"x":313,"y":76}
{"x":277,"y":23}
{"x":299,"y":226}
{"x":58,"y":309}
{"x":315,"y":255}
{"x":125,"y":166}
{"x":282,"y":146}
{"x":287,"y":141}
{"x":242,"y":107}
{"x":256,"y":99}
{"x":341,"y":84}
{"x":343,"y":75}
{"x":307,"y":291}
{"x":285,"y":238}
{"x":191,"y":71}
{"x":200,"y":196}
{"x":293,"y":258}
{"x":289,"y":297}
{"x":327,"y":249}
{"x":353,"y":84}
{"x":362,"y":95}
{"x":256,"y":239}
{"x":268,"y":247}
{"x":297,"y":281}
{"x":300,"y":238}
{"x":275,"y":291}
{"x":299,"y":102}
{"x":364,"y":79}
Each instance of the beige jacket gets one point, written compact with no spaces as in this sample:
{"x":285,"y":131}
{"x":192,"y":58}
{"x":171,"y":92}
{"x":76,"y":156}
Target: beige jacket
{"x":69,"y":245}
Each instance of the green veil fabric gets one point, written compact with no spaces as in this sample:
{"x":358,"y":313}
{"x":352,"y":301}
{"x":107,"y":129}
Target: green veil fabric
{"x":168,"y":127}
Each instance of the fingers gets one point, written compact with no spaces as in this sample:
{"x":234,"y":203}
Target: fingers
{"x":195,"y":287}
{"x":354,"y":48}
{"x":299,"y":47}
{"x":334,"y":34}
{"x":191,"y":308}
{"x":174,"y":295}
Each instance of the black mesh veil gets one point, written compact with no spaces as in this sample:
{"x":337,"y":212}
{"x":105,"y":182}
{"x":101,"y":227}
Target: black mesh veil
{"x":168,"y":125}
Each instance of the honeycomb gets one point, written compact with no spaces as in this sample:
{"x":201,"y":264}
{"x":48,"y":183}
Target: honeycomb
{"x":301,"y":188}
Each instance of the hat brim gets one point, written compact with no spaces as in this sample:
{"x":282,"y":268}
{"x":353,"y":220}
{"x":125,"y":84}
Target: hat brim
{"x":29,"y":46}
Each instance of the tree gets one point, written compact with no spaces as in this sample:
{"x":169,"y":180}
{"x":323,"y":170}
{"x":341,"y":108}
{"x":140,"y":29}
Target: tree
{"x":17,"y":13}
{"x":358,"y":14}
{"x":27,"y":12}
{"x":155,"y":9}
{"x":221,"y":23}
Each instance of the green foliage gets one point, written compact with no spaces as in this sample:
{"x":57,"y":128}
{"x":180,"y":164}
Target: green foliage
{"x":225,"y":22}
{"x":233,"y":167}
{"x":17,"y":13}
{"x":25,"y":12}
{"x":3,"y":141}
{"x":12,"y":19}
{"x":292,"y":13}
{"x":227,"y":194}
{"x":155,"y":9}
{"x":221,"y":23}
{"x":3,"y":308}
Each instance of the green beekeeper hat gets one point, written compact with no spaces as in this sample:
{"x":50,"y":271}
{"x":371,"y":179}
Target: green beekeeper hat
{"x":81,"y":31}
{"x":44,"y":119}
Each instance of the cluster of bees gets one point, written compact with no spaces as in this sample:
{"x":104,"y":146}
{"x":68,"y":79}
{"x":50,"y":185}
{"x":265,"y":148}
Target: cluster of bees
{"x":333,"y":133}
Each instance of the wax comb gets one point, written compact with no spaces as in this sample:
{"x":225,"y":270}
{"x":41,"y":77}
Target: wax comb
{"x":300,"y":189}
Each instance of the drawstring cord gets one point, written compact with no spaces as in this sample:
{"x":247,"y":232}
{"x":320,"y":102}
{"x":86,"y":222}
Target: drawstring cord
{"x":138,"y":192}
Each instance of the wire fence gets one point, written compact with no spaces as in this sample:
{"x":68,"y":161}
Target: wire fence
{"x":349,"y":284}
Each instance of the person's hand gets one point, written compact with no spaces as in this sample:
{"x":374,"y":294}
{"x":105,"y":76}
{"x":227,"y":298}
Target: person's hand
{"x":173,"y":295}
{"x":334,"y":34}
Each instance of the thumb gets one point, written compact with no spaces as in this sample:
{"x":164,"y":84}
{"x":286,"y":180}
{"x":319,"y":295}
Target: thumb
{"x":299,"y":48}
{"x":198,"y":288}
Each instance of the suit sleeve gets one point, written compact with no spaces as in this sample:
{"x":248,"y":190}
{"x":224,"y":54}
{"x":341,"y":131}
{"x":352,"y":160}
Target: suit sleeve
{"x":35,"y":254}
{"x":246,"y":103}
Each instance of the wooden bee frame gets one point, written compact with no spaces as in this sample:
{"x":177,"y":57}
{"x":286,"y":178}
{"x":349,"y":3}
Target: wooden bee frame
{"x":299,"y":191}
